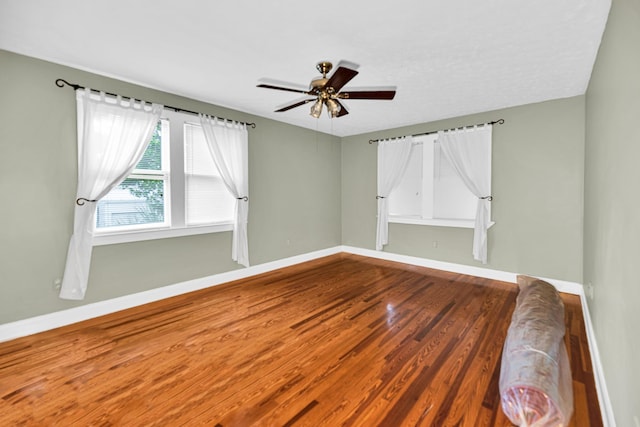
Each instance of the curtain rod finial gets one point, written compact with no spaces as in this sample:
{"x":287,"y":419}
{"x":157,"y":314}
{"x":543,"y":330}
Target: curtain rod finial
{"x":63,"y":82}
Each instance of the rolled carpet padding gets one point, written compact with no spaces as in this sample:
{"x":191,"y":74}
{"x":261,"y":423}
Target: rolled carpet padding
{"x":535,"y":375}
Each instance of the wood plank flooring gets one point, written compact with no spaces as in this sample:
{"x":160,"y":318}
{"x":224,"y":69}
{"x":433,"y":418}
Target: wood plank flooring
{"x":342,"y":340}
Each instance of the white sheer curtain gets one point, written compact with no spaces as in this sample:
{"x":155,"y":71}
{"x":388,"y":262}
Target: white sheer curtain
{"x":112,"y":136}
{"x":393,"y":156}
{"x":469,"y":152}
{"x":228,"y":144}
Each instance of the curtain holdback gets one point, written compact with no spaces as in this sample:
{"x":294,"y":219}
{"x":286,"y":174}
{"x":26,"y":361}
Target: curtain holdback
{"x":80,"y":201}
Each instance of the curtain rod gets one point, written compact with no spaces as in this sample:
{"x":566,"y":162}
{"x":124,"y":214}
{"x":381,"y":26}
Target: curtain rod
{"x":498,"y":122}
{"x":62,"y":82}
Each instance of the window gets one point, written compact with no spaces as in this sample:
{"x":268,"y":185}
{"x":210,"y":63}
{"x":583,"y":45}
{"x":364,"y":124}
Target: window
{"x":174,"y":190}
{"x":431,"y":192}
{"x":207,"y":198}
{"x":139,"y":201}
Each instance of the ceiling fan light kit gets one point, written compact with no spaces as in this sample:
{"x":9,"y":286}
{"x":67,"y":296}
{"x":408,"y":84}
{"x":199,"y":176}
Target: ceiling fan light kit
{"x":333,"y":108}
{"x":316,"y":109}
{"x":327,"y":91}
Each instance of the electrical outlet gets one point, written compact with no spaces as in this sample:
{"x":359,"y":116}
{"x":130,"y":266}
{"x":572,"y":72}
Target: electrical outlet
{"x":588,"y":290}
{"x":435,"y":243}
{"x":57,"y":284}
{"x":637,"y":420}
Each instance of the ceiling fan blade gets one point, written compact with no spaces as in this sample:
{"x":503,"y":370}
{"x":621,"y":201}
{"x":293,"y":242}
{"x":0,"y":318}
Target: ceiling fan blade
{"x":268,"y":86}
{"x":341,"y":77}
{"x":368,"y":94}
{"x":294,"y":105}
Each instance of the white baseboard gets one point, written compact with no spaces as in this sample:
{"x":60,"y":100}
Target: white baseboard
{"x":598,"y":373}
{"x":561,"y":285}
{"x":20,"y":328}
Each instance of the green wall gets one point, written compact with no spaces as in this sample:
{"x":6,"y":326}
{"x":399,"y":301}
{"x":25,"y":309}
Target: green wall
{"x":294,"y":191}
{"x":612,"y":207}
{"x":537,"y":182}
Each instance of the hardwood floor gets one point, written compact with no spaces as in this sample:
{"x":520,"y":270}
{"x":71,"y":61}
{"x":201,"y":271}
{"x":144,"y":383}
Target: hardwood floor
{"x":343,"y":340}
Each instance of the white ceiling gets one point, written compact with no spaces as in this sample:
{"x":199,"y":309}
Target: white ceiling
{"x":446,"y":58}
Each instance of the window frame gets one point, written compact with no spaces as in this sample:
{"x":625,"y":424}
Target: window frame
{"x":174,"y":224}
{"x":425,"y":183}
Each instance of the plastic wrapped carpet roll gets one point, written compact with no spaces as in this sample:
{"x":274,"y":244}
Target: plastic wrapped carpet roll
{"x":535,"y":376}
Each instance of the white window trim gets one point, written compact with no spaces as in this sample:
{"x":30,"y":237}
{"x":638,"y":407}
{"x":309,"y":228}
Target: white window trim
{"x":158,"y":233}
{"x":176,"y":176}
{"x":436,"y":222}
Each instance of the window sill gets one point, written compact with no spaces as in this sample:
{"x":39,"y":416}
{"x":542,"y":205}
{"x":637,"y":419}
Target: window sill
{"x":101,"y":239}
{"x":459,"y":223}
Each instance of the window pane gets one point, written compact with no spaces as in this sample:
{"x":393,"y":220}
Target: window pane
{"x":406,"y":198}
{"x":134,"y":202}
{"x":152,"y":158}
{"x":452,"y":198}
{"x":207,"y":200}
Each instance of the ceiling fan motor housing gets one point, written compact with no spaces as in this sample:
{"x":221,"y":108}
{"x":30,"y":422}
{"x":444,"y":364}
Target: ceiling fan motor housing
{"x":318,"y":83}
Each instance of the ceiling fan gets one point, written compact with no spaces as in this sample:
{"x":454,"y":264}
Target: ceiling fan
{"x":326,"y":91}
